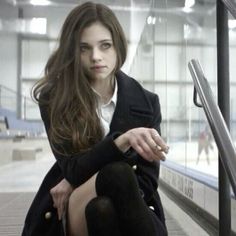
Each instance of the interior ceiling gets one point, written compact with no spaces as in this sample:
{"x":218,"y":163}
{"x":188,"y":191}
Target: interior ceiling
{"x":77,"y":2}
{"x":200,"y":7}
{"x":123,"y":8}
{"x":124,"y":3}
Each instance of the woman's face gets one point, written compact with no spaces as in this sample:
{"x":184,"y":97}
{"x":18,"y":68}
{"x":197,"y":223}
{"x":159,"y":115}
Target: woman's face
{"x":97,"y":52}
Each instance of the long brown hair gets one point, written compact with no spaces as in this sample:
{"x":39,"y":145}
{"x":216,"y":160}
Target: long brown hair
{"x":72,"y":103}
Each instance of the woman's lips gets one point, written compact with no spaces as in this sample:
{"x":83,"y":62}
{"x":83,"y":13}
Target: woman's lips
{"x":97,"y":68}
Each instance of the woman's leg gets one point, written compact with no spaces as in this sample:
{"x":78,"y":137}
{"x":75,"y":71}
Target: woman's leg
{"x":91,"y":215}
{"x":118,"y":182}
{"x":102,"y":218}
{"x":76,"y":210}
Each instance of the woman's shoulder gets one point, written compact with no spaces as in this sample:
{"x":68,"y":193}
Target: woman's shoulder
{"x":44,"y":94}
{"x":45,"y":97}
{"x":133,"y":85}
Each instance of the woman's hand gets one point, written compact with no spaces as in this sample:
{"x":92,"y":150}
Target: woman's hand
{"x":60,"y":195}
{"x":145,"y":141}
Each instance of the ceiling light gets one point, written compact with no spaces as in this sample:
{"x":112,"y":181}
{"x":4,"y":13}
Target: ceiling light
{"x":151,"y":20}
{"x":154,"y":20}
{"x":189,"y":3}
{"x":232,"y":24}
{"x":40,"y":2}
{"x":38,"y":25}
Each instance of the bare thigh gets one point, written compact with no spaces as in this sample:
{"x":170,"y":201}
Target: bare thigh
{"x":76,"y":210}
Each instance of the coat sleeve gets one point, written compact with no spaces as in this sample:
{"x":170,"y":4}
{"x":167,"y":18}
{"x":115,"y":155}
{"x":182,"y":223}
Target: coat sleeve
{"x":148,"y":172}
{"x":78,"y":168}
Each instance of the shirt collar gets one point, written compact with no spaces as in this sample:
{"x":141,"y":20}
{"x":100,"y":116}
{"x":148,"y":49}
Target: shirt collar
{"x":114,"y":96}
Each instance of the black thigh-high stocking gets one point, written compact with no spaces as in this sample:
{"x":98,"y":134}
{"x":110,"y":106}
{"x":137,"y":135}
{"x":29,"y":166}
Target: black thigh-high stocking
{"x":118,"y":182}
{"x":101,"y":218}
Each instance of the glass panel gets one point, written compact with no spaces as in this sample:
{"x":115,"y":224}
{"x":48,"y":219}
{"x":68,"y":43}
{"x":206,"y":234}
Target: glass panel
{"x":179,"y":35}
{"x":34,"y":57}
{"x":35,"y":53}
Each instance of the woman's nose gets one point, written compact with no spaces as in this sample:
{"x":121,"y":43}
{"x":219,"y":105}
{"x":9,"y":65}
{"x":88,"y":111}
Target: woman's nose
{"x":96,"y":54}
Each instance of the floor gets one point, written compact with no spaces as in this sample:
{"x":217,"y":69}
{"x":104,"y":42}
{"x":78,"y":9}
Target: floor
{"x":14,"y":206}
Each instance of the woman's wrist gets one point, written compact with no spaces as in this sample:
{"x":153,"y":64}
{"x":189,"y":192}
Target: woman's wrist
{"x":122,"y":142}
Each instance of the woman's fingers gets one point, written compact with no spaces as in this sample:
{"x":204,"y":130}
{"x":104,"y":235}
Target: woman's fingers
{"x":148,"y":143}
{"x":60,"y":208}
{"x":152,"y":150}
{"x":60,"y":195}
{"x":58,"y":202}
{"x":160,"y":144}
{"x":142,"y":153}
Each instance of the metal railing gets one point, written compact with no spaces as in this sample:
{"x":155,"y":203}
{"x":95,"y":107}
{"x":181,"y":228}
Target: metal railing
{"x":231,"y":6}
{"x":216,"y":121}
{"x":8,"y":100}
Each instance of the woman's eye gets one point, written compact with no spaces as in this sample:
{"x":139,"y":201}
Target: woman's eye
{"x":84,"y":48}
{"x":106,"y":45}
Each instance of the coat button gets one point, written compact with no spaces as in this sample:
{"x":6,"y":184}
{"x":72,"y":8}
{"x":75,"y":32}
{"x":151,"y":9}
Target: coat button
{"x":48,"y":215}
{"x":134,"y":167}
{"x":152,"y":208}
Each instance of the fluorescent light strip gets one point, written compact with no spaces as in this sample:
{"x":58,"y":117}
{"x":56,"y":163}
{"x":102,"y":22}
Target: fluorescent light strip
{"x":232,"y":24}
{"x":189,"y":3}
{"x":40,"y":2}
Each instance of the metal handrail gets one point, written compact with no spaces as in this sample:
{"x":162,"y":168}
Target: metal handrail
{"x":231,"y":6}
{"x":4,"y":88}
{"x":216,"y":121}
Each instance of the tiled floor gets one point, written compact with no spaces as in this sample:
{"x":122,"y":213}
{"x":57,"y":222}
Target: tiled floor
{"x":14,"y":206}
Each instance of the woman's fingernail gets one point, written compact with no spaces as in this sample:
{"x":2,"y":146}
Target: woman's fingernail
{"x":167,"y":149}
{"x":163,"y":158}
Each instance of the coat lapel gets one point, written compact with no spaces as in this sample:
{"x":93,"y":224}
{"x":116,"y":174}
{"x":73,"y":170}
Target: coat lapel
{"x":133,"y":108}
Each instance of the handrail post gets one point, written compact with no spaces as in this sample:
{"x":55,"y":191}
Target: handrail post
{"x":231,"y":6}
{"x":223,"y":101}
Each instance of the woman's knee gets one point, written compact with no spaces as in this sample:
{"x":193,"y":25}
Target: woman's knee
{"x":115,"y":177}
{"x":99,"y":207}
{"x":101,"y":217}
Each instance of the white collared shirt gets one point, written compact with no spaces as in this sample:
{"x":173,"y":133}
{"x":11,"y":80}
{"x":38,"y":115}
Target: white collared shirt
{"x":106,"y":111}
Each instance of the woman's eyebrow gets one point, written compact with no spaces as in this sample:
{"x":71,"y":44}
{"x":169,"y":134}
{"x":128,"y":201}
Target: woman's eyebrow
{"x":83,"y":43}
{"x":101,"y":41}
{"x":104,"y":40}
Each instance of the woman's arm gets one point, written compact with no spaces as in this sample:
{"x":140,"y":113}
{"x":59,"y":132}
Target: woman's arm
{"x":78,"y":168}
{"x":145,"y":141}
{"x":147,"y":172}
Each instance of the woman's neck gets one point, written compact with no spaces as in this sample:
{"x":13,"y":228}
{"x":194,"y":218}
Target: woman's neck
{"x":104,"y":88}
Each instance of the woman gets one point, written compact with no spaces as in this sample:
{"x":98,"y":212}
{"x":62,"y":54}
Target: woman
{"x":104,"y":129}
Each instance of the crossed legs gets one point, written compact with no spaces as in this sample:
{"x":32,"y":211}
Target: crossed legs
{"x":110,"y":204}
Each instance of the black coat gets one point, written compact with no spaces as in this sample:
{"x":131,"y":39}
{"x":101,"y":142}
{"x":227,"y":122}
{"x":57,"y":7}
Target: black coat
{"x":136,"y":107}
